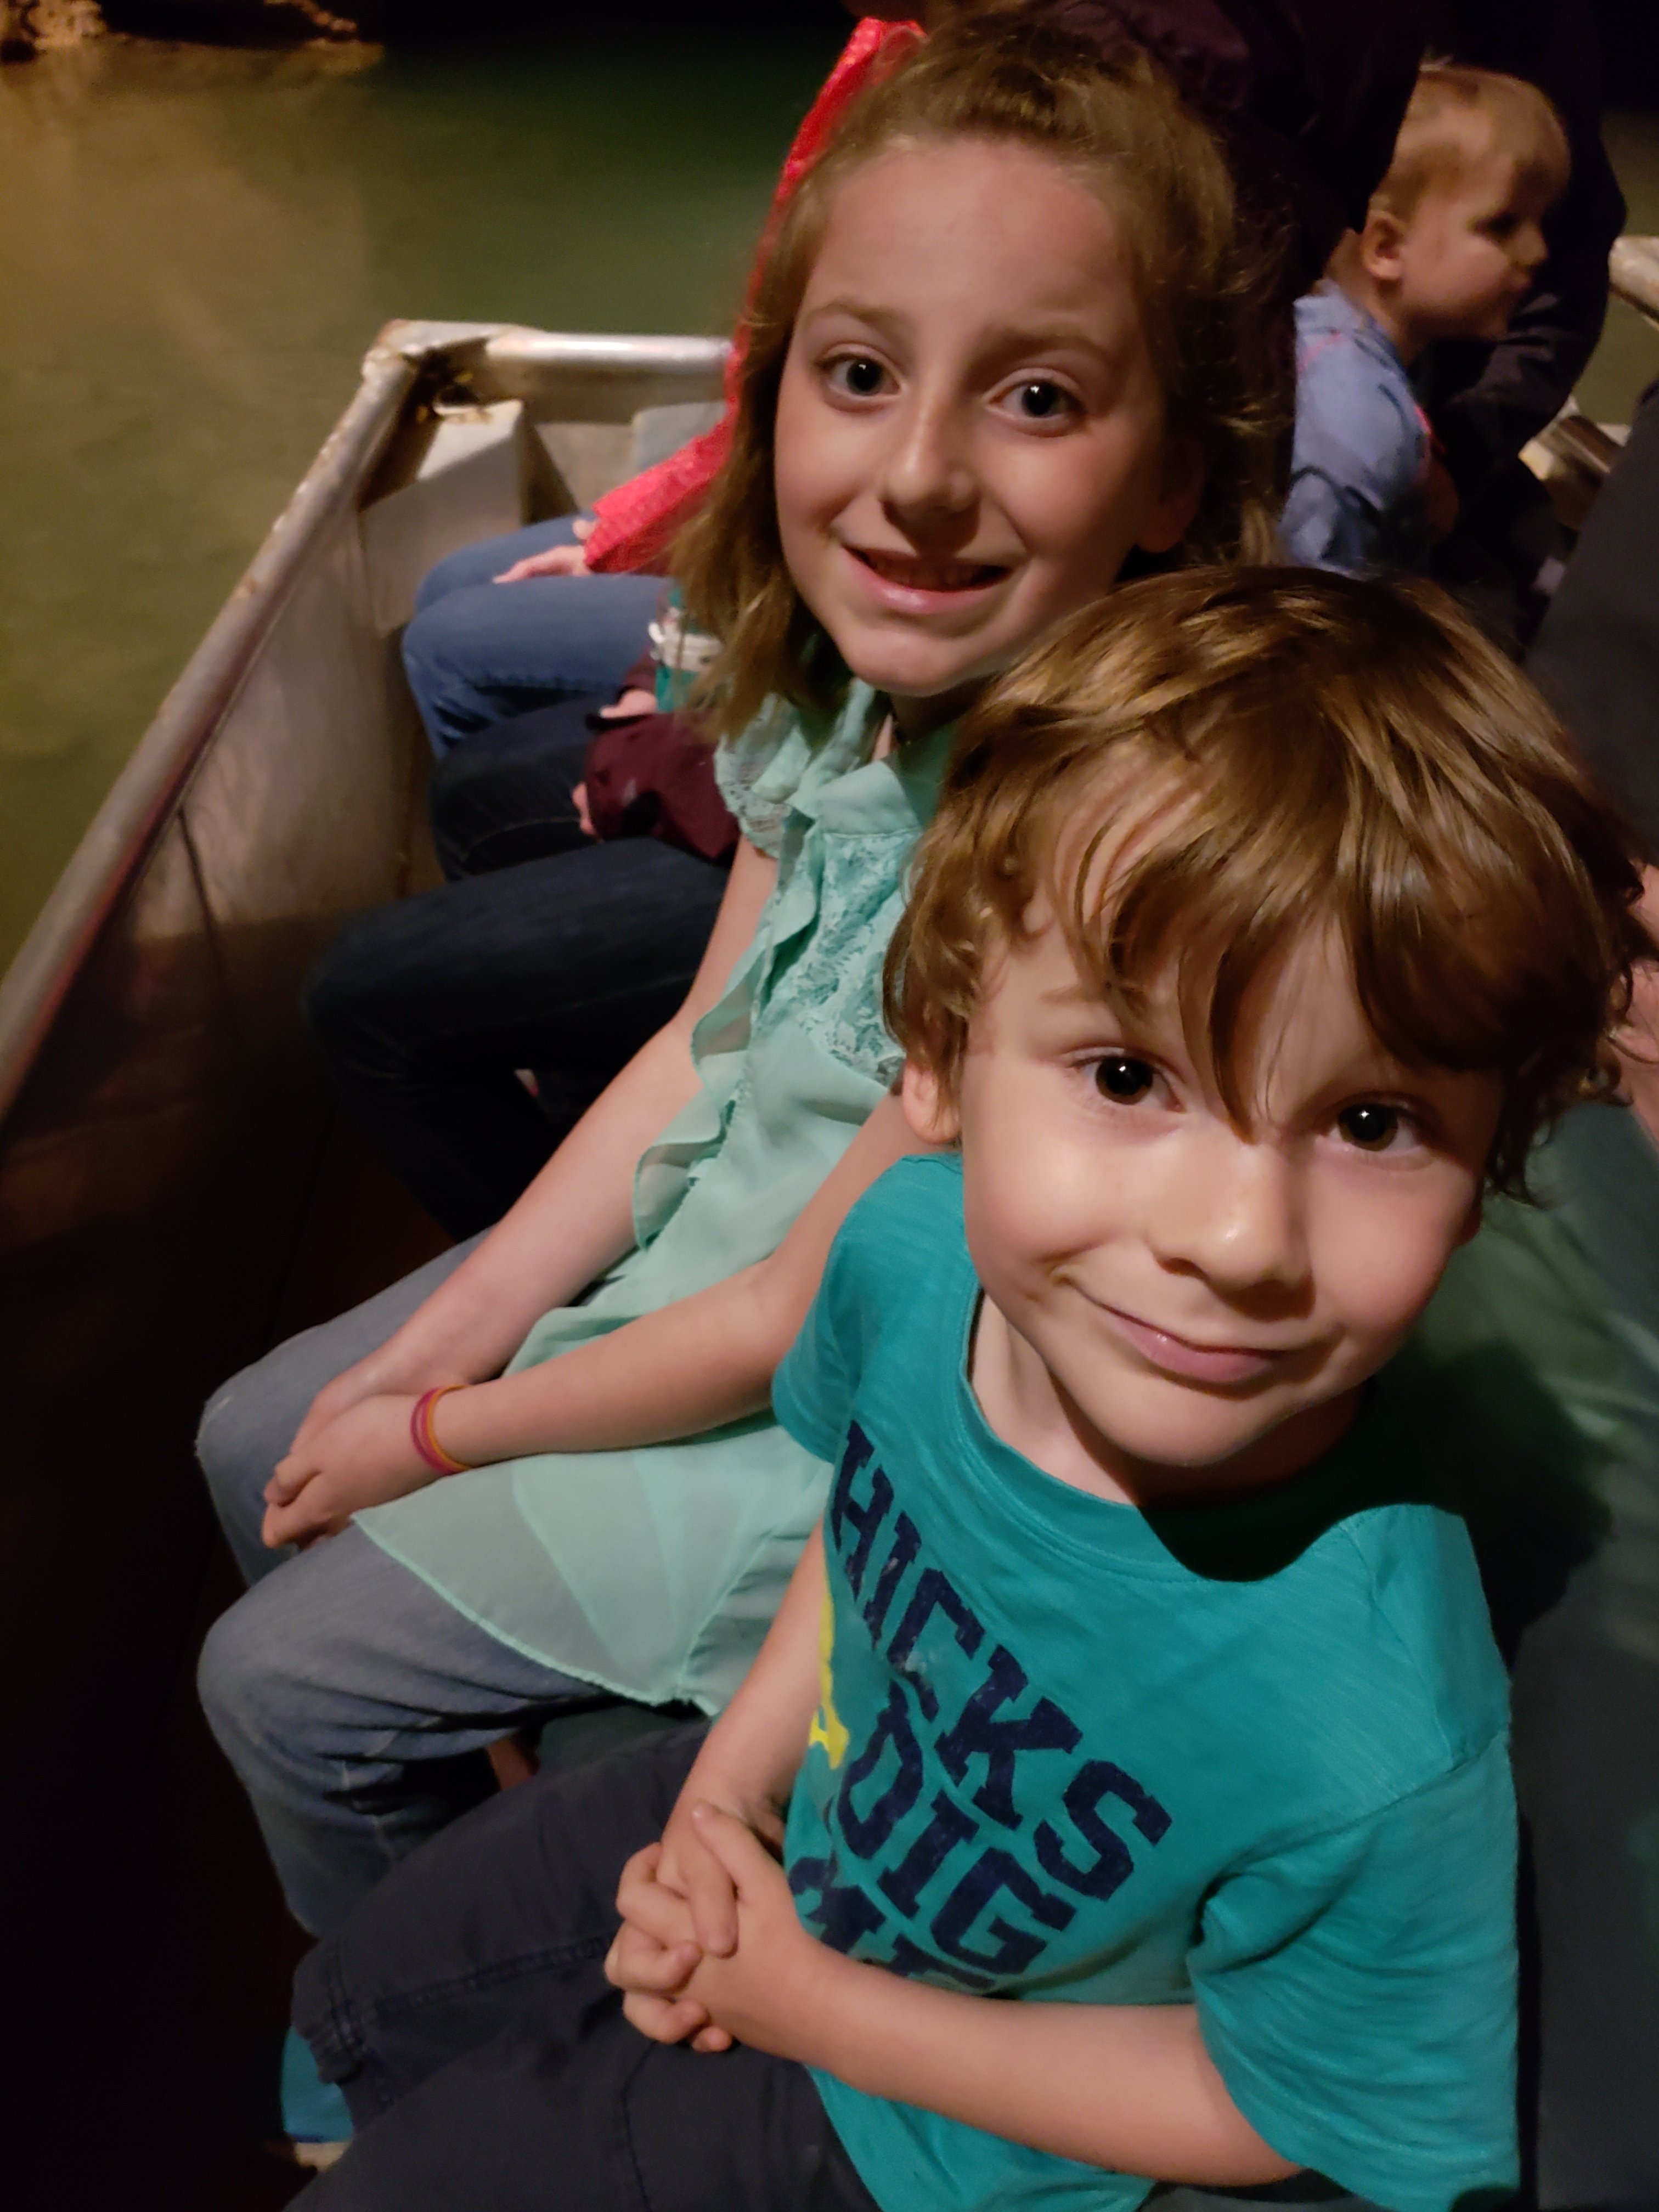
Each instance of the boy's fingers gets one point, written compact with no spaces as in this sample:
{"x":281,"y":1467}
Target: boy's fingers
{"x":665,"y":2020}
{"x":711,"y":2039}
{"x":645,"y":1903}
{"x":637,"y":1962}
{"x":733,"y":1841}
{"x":712,"y":1900}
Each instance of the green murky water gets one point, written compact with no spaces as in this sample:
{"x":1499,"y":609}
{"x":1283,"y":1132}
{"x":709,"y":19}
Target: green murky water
{"x":196,"y":248}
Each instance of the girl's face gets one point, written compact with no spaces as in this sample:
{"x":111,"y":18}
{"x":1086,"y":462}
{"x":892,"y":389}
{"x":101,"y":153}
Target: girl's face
{"x":970,"y":428}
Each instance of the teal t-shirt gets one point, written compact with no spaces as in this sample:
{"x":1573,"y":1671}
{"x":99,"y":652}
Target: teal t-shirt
{"x":1251,"y":1756}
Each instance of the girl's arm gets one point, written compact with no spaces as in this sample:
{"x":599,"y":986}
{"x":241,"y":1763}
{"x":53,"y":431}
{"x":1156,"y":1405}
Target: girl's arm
{"x":1130,"y":2088}
{"x":576,"y":1218}
{"x":705,"y":1360}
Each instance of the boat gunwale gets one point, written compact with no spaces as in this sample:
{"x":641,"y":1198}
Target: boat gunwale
{"x":147,"y":791}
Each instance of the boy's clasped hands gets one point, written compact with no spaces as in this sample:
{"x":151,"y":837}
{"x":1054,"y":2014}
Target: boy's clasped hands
{"x":711,"y":1948}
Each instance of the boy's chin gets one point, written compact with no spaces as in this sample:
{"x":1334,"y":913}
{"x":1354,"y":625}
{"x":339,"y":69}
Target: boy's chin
{"x":1194,"y":1437}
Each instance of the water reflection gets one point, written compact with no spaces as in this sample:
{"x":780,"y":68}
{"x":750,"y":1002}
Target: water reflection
{"x":196,"y":248}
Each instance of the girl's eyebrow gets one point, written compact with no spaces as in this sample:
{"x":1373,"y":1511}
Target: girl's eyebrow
{"x":861,"y":311}
{"x":1012,"y":339}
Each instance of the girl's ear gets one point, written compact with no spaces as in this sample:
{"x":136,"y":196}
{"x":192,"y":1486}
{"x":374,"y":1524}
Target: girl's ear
{"x":932,"y":1118}
{"x":1171,"y":517}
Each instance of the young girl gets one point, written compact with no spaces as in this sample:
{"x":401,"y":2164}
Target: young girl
{"x":1003,"y":344}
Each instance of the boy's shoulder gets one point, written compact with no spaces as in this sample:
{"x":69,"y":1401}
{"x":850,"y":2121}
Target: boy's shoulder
{"x":898,"y":1286}
{"x":915,"y":1209}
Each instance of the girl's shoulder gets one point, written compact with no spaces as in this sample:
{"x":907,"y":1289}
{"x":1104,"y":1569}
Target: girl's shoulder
{"x":783,"y":751}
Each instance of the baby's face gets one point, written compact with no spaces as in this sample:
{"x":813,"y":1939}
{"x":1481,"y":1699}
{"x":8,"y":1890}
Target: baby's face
{"x":1470,"y":253}
{"x":1176,"y":1306}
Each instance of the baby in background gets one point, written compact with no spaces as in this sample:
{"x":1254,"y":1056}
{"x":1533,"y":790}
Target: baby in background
{"x":1453,"y":238}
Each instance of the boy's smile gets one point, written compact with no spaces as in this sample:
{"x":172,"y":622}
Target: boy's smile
{"x":1177,"y":1307}
{"x":969,"y":425}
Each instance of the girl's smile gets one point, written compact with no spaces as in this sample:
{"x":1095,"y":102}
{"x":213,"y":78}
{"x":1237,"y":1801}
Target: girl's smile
{"x":912,"y":585}
{"x":970,"y":426}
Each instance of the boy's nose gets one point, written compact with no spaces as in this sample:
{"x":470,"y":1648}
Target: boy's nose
{"x":1531,"y":251}
{"x":1231,"y":1212}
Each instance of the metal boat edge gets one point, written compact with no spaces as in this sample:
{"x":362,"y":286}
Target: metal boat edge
{"x":493,"y":361}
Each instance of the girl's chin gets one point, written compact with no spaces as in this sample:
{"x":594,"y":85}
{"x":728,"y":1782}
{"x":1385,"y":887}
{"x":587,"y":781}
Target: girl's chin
{"x":921,"y":680}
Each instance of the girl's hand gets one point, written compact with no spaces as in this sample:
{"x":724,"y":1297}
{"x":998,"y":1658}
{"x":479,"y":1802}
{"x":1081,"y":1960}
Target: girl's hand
{"x":363,"y":1457}
{"x":629,"y":706}
{"x":557,"y":561}
{"x":383,"y":1373}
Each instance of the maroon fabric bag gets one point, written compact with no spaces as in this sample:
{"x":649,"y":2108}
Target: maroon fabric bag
{"x":652,"y":776}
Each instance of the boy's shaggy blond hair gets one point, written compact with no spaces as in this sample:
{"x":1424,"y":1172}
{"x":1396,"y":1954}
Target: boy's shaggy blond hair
{"x":997,"y":73}
{"x":1269,"y":750}
{"x":1460,"y":117}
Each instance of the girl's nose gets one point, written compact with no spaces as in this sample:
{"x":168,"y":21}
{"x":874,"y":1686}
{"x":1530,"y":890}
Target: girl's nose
{"x":1533,"y":250}
{"x":1231,"y":1212}
{"x":926,"y":473}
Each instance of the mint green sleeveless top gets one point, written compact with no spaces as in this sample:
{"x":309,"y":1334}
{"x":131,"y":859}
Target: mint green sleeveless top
{"x":655,"y":1572}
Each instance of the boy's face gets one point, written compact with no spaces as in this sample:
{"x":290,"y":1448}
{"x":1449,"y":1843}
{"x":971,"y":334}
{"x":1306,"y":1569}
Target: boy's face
{"x":970,"y":429}
{"x":1468,"y":256}
{"x":1177,"y":1306}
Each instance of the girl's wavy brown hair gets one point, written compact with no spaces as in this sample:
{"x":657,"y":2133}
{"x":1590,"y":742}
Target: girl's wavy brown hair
{"x":1272,"y":750}
{"x":995,"y":73}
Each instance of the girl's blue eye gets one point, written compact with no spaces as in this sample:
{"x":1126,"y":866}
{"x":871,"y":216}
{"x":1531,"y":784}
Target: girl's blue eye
{"x":1370,"y":1126}
{"x":1122,"y":1078}
{"x":858,"y":375}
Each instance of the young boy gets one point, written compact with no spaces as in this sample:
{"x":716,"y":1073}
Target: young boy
{"x":1452,"y":241}
{"x":1136,"y":1675}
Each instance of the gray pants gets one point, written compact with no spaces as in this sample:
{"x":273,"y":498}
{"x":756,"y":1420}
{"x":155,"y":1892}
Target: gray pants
{"x":353,"y":1701}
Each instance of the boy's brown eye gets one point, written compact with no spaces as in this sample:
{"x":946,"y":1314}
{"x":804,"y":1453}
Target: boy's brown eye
{"x":1372,"y":1128}
{"x":1041,"y":400}
{"x":1122,"y":1078}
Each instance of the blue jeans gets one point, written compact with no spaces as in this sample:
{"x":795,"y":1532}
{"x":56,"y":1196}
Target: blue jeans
{"x":565,"y":957}
{"x":352,"y":1700}
{"x":476,"y":651}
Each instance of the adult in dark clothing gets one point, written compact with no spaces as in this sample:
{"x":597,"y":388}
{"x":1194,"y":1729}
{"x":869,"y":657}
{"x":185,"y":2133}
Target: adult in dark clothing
{"x":426,"y":1009}
{"x":1587,"y":1682}
{"x":1597,"y":656}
